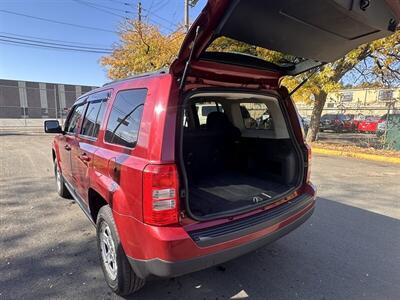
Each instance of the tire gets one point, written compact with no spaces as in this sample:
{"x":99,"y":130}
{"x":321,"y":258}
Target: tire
{"x":118,"y":273}
{"x":60,"y":183}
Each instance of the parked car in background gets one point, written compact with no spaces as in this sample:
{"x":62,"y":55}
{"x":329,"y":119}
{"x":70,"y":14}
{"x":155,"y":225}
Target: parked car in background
{"x":369,"y":125}
{"x":354,"y":120}
{"x":305,"y":121}
{"x":335,"y":122}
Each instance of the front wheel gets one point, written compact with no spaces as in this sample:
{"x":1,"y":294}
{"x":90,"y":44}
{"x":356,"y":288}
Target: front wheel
{"x":117,"y":271}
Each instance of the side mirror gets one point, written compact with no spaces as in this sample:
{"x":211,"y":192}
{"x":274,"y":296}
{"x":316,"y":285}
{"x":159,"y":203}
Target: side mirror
{"x":52,"y":126}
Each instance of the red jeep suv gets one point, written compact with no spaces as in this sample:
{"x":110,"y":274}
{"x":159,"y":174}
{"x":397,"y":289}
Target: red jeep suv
{"x":173,"y":188}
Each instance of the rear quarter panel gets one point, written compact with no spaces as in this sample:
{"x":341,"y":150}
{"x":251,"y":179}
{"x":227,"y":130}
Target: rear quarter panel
{"x":117,"y":170}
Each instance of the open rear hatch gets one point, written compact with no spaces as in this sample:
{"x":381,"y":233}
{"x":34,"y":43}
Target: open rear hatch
{"x":317,"y":31}
{"x":227,"y":166}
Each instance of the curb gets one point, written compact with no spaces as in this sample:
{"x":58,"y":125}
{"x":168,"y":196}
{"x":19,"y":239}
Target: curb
{"x":365,"y":156}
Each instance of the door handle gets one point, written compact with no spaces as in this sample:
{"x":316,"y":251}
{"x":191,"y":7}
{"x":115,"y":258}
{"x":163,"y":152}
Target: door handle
{"x":84,"y":157}
{"x":67,"y":147}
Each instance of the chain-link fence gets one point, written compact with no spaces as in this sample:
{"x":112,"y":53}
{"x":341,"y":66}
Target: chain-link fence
{"x":373,"y":126}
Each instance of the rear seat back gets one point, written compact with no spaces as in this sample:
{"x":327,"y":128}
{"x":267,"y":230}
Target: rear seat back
{"x":205,"y":149}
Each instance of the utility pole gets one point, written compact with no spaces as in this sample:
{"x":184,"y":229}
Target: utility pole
{"x":140,"y":11}
{"x":186,"y":15}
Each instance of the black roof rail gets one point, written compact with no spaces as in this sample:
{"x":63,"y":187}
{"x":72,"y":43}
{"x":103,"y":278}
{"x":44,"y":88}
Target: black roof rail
{"x":161,"y":71}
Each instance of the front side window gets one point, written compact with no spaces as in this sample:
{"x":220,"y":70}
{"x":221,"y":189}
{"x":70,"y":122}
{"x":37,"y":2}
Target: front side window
{"x":93,"y":117}
{"x":126,"y":114}
{"x":256,"y":116}
{"x":71,"y":125}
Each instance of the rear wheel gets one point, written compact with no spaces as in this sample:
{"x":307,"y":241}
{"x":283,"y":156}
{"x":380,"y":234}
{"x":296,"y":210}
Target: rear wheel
{"x":117,"y":271}
{"x":61,"y":188}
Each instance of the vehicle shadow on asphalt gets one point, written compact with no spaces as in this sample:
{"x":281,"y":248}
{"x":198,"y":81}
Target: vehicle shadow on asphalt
{"x":48,"y":249}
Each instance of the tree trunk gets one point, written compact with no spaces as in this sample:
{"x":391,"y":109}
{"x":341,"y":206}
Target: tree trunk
{"x":318,"y":106}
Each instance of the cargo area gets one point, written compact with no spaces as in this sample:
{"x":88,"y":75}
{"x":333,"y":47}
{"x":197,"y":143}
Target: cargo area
{"x":236,"y":153}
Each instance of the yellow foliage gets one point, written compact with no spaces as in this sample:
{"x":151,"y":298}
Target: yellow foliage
{"x":143,"y":48}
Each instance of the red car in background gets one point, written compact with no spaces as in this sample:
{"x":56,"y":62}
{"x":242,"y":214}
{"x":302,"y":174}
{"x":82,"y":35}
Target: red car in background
{"x":369,"y":125}
{"x":355,"y":120}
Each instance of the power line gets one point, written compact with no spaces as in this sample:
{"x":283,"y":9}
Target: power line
{"x":52,"y":43}
{"x":159,"y":17}
{"x":51,"y":40}
{"x":111,"y":8}
{"x":21,"y":44}
{"x":101,"y":8}
{"x":122,"y":2}
{"x":94,"y":6}
{"x":32,"y":43}
{"x":56,"y":22}
{"x":98,"y":8}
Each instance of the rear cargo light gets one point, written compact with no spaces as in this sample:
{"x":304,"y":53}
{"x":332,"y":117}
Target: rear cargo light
{"x":160,"y":200}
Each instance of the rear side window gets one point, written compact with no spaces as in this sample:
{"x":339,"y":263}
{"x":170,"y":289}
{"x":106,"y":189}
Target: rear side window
{"x":72,"y":123}
{"x":126,"y":114}
{"x":205,"y":108}
{"x":93,"y":117}
{"x":256,"y":116}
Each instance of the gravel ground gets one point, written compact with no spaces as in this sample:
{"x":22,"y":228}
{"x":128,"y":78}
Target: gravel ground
{"x":349,"y":249}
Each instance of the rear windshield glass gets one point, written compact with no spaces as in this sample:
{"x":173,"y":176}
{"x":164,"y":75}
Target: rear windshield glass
{"x":228,"y":45}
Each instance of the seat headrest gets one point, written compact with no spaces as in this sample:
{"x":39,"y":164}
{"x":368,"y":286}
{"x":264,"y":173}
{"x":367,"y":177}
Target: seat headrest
{"x":217,"y":120}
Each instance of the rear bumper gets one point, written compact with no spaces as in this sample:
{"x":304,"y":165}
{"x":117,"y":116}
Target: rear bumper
{"x":164,"y":268}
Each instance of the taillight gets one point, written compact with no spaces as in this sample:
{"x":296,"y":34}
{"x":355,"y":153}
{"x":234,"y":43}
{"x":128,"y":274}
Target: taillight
{"x":309,"y":155}
{"x":160,"y":195}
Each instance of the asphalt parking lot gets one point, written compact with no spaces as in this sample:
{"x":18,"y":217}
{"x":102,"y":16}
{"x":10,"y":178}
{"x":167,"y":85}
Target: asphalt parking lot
{"x":349,"y":249}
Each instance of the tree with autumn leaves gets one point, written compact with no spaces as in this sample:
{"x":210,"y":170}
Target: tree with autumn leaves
{"x":144,"y":48}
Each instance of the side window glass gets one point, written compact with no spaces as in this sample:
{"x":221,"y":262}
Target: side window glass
{"x":73,"y":122}
{"x":205,"y":108}
{"x":99,"y":119}
{"x":94,"y":115}
{"x":256,"y":116}
{"x":125,"y":116}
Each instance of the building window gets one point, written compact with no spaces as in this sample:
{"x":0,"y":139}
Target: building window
{"x":346,"y":97}
{"x":385,"y":95}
